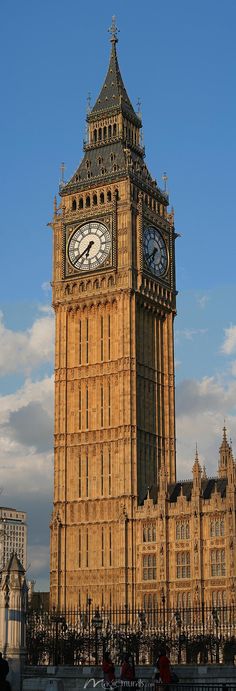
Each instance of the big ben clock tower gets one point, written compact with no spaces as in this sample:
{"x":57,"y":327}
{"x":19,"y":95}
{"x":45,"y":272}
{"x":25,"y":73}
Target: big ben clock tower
{"x":114,"y":300}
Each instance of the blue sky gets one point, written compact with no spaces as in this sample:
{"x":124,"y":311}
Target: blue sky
{"x":179,"y":58}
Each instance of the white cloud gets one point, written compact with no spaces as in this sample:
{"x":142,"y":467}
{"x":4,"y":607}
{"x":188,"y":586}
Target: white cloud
{"x":202,"y":301}
{"x":229,"y":345}
{"x":26,"y":463}
{"x":26,"y":417}
{"x":190,"y":333}
{"x":46,"y":287}
{"x":25,"y":350}
{"x":201,"y":407}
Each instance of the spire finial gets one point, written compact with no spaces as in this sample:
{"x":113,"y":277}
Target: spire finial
{"x":62,"y":167}
{"x":88,"y":103}
{"x":113,"y":30}
{"x":139,"y":108}
{"x":165,"y":180}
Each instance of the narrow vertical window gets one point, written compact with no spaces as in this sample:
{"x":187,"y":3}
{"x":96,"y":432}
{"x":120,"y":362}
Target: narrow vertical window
{"x":87,"y":340}
{"x":86,"y":407}
{"x":102,"y":473}
{"x":80,"y":410}
{"x":80,"y":342}
{"x":102,"y":405}
{"x":109,"y":472}
{"x":109,"y":404}
{"x":109,"y":336}
{"x":80,"y":479}
{"x":86,"y":475}
{"x":87,"y":548}
{"x":102,"y":552}
{"x":79,"y":549}
{"x":110,"y":547}
{"x":102,"y":340}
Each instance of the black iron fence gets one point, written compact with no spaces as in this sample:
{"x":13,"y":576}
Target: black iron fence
{"x":78,"y":637}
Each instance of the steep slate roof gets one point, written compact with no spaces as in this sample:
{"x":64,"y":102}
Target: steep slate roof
{"x":15,"y":564}
{"x":208,"y":487}
{"x":113,"y":93}
{"x":90,"y":164}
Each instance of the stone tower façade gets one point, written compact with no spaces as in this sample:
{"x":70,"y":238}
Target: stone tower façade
{"x":117,"y":506}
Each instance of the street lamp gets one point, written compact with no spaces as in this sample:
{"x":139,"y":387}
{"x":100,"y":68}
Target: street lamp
{"x":57,"y":619}
{"x":215,"y":618}
{"x":97,"y":623}
{"x":163,"y":599}
{"x":178,"y":622}
{"x":89,"y":602}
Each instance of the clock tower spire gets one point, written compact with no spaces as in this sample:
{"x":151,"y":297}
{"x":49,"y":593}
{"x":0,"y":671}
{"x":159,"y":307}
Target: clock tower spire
{"x":114,"y":300}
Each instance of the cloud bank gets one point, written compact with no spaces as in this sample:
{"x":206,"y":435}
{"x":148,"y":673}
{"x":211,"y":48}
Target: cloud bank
{"x":25,"y":350}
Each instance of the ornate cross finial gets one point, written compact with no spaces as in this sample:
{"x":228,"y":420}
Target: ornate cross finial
{"x":113,"y":30}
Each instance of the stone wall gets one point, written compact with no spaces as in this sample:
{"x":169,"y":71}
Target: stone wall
{"x":79,"y":678}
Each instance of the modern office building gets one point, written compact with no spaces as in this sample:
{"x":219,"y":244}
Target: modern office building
{"x":13,"y":536}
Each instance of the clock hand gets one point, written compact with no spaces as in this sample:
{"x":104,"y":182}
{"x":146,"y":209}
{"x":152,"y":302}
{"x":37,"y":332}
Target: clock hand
{"x":86,"y":251}
{"x":89,"y":247}
{"x":152,"y":253}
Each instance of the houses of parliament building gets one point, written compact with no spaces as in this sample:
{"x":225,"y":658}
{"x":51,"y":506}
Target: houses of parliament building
{"x":124,"y":530}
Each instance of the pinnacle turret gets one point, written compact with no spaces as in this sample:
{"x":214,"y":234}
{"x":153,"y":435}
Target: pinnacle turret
{"x":226,"y":455}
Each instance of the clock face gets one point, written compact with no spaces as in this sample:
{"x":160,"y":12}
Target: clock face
{"x":89,"y":246}
{"x":155,"y":251}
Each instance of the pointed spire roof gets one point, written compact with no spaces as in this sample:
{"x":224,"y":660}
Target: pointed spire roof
{"x":197,"y":471}
{"x":224,"y":444}
{"x":15,"y":564}
{"x":113,"y":94}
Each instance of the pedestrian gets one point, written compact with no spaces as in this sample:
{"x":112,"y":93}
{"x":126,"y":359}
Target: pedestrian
{"x":156,"y":674}
{"x":164,"y":669}
{"x":108,"y":669}
{"x":4,"y":669}
{"x":127,"y":673}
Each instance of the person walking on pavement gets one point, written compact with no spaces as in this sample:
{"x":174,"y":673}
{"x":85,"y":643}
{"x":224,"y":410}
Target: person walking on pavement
{"x":108,"y":669}
{"x":127,"y":673}
{"x":164,"y":669}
